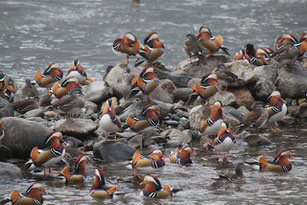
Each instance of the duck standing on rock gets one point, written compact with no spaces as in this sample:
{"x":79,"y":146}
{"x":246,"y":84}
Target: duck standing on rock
{"x":77,"y":71}
{"x":33,"y":195}
{"x":154,"y":189}
{"x":249,"y":53}
{"x":277,"y":109}
{"x":126,"y":46}
{"x":154,"y":159}
{"x":192,"y":47}
{"x":182,"y":157}
{"x":281,"y":162}
{"x":11,"y":89}
{"x":109,"y":122}
{"x":208,"y":86}
{"x":145,"y":83}
{"x":51,"y":75}
{"x":224,"y":141}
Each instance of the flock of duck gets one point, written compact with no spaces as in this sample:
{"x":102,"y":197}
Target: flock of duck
{"x":69,"y":98}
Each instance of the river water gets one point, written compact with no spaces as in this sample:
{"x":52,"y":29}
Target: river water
{"x":35,"y":33}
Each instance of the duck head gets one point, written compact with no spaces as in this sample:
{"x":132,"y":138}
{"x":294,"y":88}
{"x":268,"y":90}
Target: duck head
{"x":80,"y":165}
{"x":99,"y":181}
{"x":153,"y":40}
{"x":54,"y":139}
{"x":150,"y":109}
{"x":204,"y":33}
{"x":157,"y":154}
{"x":129,"y":39}
{"x":152,"y":184}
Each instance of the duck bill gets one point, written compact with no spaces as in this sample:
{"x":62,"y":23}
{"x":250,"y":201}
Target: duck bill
{"x":193,"y":153}
{"x":163,"y":157}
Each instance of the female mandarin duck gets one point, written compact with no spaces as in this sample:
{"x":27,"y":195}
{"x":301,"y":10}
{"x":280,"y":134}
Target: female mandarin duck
{"x":281,"y":162}
{"x":183,"y":157}
{"x":212,"y":43}
{"x":33,"y":195}
{"x":145,"y":83}
{"x":265,"y":55}
{"x":224,"y":141}
{"x":277,"y":109}
{"x":29,"y":91}
{"x":98,"y":190}
{"x":153,"y":49}
{"x":212,"y":125}
{"x":47,"y":158}
{"x":61,"y":89}
{"x":154,"y":188}
{"x":46,"y":79}
{"x":154,"y":159}
{"x":208,"y":86}
{"x":249,"y":53}
{"x":79,"y":175}
{"x":109,"y":122}
{"x":126,"y":46}
{"x":192,"y":47}
{"x":77,"y":71}
{"x":238,"y":177}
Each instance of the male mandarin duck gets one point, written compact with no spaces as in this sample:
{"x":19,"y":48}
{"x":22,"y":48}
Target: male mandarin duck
{"x":208,"y":86}
{"x":4,"y":82}
{"x":154,"y":159}
{"x":154,"y":189}
{"x":152,"y":50}
{"x":212,"y":125}
{"x":182,"y":157}
{"x":287,"y":53}
{"x":277,"y":109}
{"x":109,"y":122}
{"x":47,"y":158}
{"x":98,"y":189}
{"x":249,"y":53}
{"x":224,"y":141}
{"x":281,"y":162}
{"x":284,"y":38}
{"x":212,"y":43}
{"x":126,"y":46}
{"x":265,"y":55}
{"x":145,"y":83}
{"x":61,"y":89}
{"x":28,"y":91}
{"x":79,"y":175}
{"x":52,"y":74}
{"x":11,"y":89}
{"x":238,"y":177}
{"x":33,"y":195}
{"x":192,"y":47}
{"x":77,"y":71}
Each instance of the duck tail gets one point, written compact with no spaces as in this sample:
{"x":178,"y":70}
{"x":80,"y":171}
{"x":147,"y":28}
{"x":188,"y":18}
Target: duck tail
{"x":65,"y":173}
{"x":38,"y":77}
{"x":14,"y":196}
{"x":34,"y":153}
{"x":136,"y":156}
{"x":262,"y":161}
{"x":112,"y":190}
{"x":130,"y":122}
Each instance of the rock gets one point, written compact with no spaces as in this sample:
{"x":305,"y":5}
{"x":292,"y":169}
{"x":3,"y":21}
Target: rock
{"x":90,"y":107}
{"x":79,"y":128}
{"x":226,"y":97}
{"x":97,"y":92}
{"x":10,"y":171}
{"x":136,"y":141}
{"x":171,"y":122}
{"x":167,"y":85}
{"x":50,"y":115}
{"x":198,"y":69}
{"x":42,"y":121}
{"x":5,"y":152}
{"x":127,"y":135}
{"x":198,"y":113}
{"x":299,"y":111}
{"x":257,"y":140}
{"x":243,"y":96}
{"x":180,"y":80}
{"x":243,"y":70}
{"x":243,"y":110}
{"x":193,"y":82}
{"x":22,"y":135}
{"x":262,"y":88}
{"x":292,"y":82}
{"x":230,"y":111}
{"x":110,"y":152}
{"x":230,"y":118}
{"x":184,"y":123}
{"x":287,"y":120}
{"x":268,"y":72}
{"x":181,"y":94}
{"x":6,"y":109}
{"x":39,"y":112}
{"x":178,"y":138}
{"x":160,"y":95}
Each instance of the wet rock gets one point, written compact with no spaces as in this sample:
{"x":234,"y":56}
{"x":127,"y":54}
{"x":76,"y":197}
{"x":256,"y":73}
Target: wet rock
{"x":97,"y":92}
{"x":159,"y":139}
{"x":197,"y":114}
{"x":292,"y":82}
{"x":181,"y":94}
{"x":177,"y":138}
{"x":109,"y":151}
{"x":72,"y":142}
{"x":22,"y":135}
{"x":162,"y":96}
{"x":127,"y":135}
{"x":5,"y":152}
{"x":10,"y":171}
{"x":262,"y":88}
{"x":243,"y":70}
{"x":231,"y":119}
{"x":243,"y":96}
{"x":179,"y":80}
{"x":226,"y":97}
{"x":79,"y":128}
{"x":193,"y":82}
{"x":90,"y":107}
{"x":257,"y":140}
{"x":6,"y":109}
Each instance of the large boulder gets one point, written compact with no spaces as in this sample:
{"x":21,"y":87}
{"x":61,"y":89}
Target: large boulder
{"x":161,"y":95}
{"x":243,"y":96}
{"x":6,"y":109}
{"x":181,"y":94}
{"x":262,"y":88}
{"x":197,"y":114}
{"x":10,"y":171}
{"x":22,"y":135}
{"x":268,"y":72}
{"x":177,"y":138}
{"x":243,"y":70}
{"x":97,"y":92}
{"x":110,"y":152}
{"x":227,"y":98}
{"x":180,"y":80}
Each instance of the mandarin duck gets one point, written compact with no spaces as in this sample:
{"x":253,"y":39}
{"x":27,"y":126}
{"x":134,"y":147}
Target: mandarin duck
{"x":284,"y":38}
{"x":33,"y":195}
{"x":208,"y":87}
{"x":154,"y":159}
{"x":126,"y":46}
{"x":226,"y":77}
{"x":25,"y":105}
{"x":50,"y":156}
{"x":192,"y":47}
{"x":145,"y":83}
{"x":212,"y":125}
{"x":71,"y":103}
{"x":29,"y":91}
{"x":61,"y":89}
{"x":238,"y":177}
{"x":224,"y":141}
{"x":51,"y":75}
{"x":154,"y":189}
{"x":277,"y":109}
{"x":108,"y":121}
{"x":77,"y":71}
{"x":152,"y":50}
{"x":210,"y":42}
{"x":286,"y":54}
{"x":98,"y":189}
{"x":249,"y":53}
{"x":4,"y":81}
{"x":302,"y":45}
{"x":11,"y":89}
{"x":182,"y":157}
{"x":281,"y":162}
{"x":265,"y":55}
{"x":79,"y":175}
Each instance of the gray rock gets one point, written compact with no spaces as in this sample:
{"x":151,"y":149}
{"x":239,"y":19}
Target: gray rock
{"x":127,"y":135}
{"x":22,"y":135}
{"x":79,"y":128}
{"x":136,"y":141}
{"x":180,"y":80}
{"x":268,"y":72}
{"x":171,"y":122}
{"x":97,"y":92}
{"x":39,"y":112}
{"x":243,"y":110}
{"x":197,"y":114}
{"x":193,"y":82}
{"x":226,"y":97}
{"x":181,"y":94}
{"x":177,"y":138}
{"x":184,"y":122}
{"x":10,"y":171}
{"x":110,"y":152}
{"x":243,"y":96}
{"x":90,"y":107}
{"x":6,"y":109}
{"x":262,"y":89}
{"x":243,"y":70}
{"x":5,"y":152}
{"x":161,"y":95}
{"x":257,"y":140}
{"x":40,"y":120}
